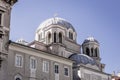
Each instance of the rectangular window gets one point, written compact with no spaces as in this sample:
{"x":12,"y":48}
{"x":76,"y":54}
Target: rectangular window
{"x":56,"y":68}
{"x":18,"y":60}
{"x":33,"y":63}
{"x":66,"y":71}
{"x":45,"y":66}
{"x":0,"y":18}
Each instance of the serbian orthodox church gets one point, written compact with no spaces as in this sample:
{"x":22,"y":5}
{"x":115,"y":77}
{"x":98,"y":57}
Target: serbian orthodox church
{"x":54,"y":54}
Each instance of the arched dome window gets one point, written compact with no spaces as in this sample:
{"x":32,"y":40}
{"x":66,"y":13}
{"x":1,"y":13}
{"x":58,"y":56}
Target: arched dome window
{"x":49,"y":37}
{"x":60,"y":37}
{"x":55,"y":37}
{"x":0,"y":18}
{"x":96,"y":52}
{"x":71,"y":35}
{"x":87,"y":51}
{"x":91,"y":51}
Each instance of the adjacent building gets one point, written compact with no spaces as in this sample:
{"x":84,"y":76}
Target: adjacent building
{"x":116,"y":77}
{"x":53,"y":55}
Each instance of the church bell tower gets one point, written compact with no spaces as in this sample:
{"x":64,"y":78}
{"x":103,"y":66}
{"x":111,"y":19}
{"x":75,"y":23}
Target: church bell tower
{"x":5,"y":14}
{"x":90,"y":47}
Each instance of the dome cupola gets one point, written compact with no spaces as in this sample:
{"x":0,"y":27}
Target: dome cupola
{"x":90,"y":47}
{"x":59,"y":36}
{"x":55,"y":30}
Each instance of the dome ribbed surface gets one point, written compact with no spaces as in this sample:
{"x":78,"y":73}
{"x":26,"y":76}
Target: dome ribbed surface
{"x":56,"y":21}
{"x":90,"y":39}
{"x":82,"y":58}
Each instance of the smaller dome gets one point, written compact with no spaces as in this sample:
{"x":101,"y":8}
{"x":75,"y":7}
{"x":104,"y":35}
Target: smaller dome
{"x":82,"y":58}
{"x":90,"y":39}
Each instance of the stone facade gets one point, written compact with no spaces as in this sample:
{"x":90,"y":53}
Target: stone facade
{"x":5,"y":11}
{"x":37,"y":73}
{"x":53,"y":55}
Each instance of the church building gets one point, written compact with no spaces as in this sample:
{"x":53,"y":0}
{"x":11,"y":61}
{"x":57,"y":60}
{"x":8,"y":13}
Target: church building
{"x":54,"y":54}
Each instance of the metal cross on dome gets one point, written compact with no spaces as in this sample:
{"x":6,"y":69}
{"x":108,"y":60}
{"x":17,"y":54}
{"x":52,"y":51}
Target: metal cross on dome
{"x":55,"y":15}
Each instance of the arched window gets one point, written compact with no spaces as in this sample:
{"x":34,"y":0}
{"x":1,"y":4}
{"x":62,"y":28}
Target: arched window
{"x":91,"y":51}
{"x":0,"y":18}
{"x":60,"y":37}
{"x":87,"y":51}
{"x":71,"y":35}
{"x":54,"y":37}
{"x":17,"y":79}
{"x":1,"y":34}
{"x":49,"y":37}
{"x":96,"y":52}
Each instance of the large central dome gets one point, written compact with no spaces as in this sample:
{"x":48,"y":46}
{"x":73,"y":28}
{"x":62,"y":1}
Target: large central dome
{"x":56,"y":30}
{"x":56,"y":21}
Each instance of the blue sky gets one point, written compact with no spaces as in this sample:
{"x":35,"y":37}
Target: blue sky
{"x":97,"y":18}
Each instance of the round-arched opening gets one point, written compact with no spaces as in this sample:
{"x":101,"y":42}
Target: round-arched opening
{"x":49,"y":37}
{"x":17,"y":79}
{"x":71,"y":35}
{"x":87,"y":51}
{"x":92,"y":52}
{"x":96,"y":52}
{"x":60,"y":37}
{"x":1,"y":34}
{"x":55,"y":37}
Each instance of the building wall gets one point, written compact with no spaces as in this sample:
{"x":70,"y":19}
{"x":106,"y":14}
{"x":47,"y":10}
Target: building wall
{"x":72,"y":47}
{"x":38,"y":74}
{"x":5,"y":11}
{"x":91,"y":74}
